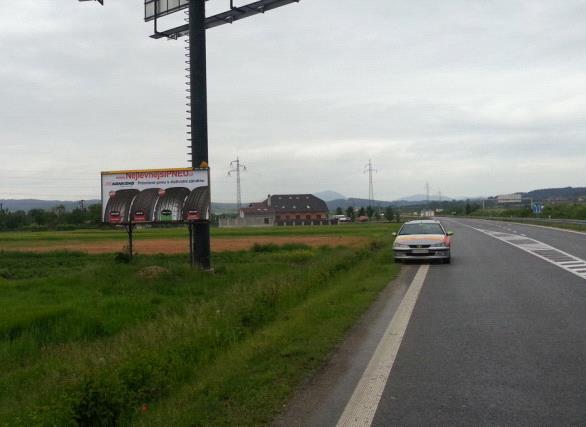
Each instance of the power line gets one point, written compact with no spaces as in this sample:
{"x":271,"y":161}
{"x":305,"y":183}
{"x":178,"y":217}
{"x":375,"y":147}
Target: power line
{"x":239,"y":166}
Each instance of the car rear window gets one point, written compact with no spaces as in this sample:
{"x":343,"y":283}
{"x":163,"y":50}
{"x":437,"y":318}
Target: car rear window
{"x":425,"y":228}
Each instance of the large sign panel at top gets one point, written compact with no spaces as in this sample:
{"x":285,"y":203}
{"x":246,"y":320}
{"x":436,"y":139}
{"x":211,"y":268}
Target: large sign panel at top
{"x":158,"y":8}
{"x":155,"y":195}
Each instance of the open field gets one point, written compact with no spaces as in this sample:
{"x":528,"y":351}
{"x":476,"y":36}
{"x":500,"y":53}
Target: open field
{"x":180,"y":245}
{"x":174,"y":240}
{"x":85,"y":338}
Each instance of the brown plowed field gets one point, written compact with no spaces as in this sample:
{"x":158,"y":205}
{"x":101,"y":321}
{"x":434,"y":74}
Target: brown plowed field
{"x":174,"y":246}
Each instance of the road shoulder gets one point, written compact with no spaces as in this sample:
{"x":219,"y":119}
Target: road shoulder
{"x":321,"y":399}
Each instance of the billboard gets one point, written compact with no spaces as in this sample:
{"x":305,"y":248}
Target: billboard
{"x":155,"y":196}
{"x":159,"y":8}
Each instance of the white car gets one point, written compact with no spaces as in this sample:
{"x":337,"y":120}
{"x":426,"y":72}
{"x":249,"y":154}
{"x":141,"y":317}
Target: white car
{"x":421,"y":240}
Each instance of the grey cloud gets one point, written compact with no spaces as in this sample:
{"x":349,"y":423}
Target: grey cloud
{"x":487,"y":93}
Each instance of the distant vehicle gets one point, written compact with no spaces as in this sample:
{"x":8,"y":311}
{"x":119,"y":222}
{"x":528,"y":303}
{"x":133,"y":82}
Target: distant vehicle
{"x":423,"y":239}
{"x":115,"y":217}
{"x":342,"y":218}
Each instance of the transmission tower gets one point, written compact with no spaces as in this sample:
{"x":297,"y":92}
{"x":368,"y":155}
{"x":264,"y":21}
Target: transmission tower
{"x":368,"y":168}
{"x":237,"y":167}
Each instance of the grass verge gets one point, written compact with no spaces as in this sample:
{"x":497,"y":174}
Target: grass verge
{"x":102,"y":343}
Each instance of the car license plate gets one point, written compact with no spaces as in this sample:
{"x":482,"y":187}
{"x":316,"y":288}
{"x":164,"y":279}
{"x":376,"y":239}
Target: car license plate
{"x":420,"y":251}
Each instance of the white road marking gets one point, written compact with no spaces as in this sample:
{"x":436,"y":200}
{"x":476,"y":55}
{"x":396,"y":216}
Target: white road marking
{"x":541,"y":250}
{"x":362,"y":405}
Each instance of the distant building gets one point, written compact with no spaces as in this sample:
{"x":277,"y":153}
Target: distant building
{"x":286,"y":209}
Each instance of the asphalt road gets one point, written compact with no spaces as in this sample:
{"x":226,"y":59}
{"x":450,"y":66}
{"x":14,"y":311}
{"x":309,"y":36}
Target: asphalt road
{"x":496,"y":338}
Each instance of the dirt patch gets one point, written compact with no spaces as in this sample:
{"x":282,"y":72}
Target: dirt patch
{"x":176,"y":246}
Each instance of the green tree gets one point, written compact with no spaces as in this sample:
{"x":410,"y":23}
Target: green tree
{"x":77,"y":216}
{"x":398,"y":216}
{"x":339,"y":211}
{"x":38,"y":216}
{"x":362,"y":211}
{"x":468,"y":208}
{"x":60,"y":210}
{"x":350,"y":213}
{"x":389,"y":213}
{"x":369,"y":211}
{"x":94,"y":213}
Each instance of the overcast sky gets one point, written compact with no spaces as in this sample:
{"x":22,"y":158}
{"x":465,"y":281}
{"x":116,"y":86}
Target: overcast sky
{"x":478,"y":97}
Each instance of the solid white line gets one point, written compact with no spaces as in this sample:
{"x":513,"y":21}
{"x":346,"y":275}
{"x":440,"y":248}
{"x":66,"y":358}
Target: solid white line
{"x":362,"y":405}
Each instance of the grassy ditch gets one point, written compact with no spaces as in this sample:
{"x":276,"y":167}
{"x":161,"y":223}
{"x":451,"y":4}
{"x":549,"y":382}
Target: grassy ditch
{"x":88,"y":341}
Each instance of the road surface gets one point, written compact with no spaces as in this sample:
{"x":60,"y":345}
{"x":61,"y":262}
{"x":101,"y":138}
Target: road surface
{"x":496,"y":338}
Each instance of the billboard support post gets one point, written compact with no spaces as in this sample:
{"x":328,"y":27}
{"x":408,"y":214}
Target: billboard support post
{"x":200,"y":245}
{"x":190,"y":229}
{"x":129,"y":229}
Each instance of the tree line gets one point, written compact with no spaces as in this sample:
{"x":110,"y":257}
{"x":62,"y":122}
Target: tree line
{"x":53,"y":219}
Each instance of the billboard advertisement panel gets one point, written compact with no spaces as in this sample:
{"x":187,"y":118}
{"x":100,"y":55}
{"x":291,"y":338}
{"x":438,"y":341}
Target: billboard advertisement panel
{"x":159,"y":8}
{"x":155,"y":196}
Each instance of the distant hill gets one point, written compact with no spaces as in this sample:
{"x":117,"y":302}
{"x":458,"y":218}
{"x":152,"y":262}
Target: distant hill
{"x":565,"y":193}
{"x":423,"y":198}
{"x":329,"y":195}
{"x":356,"y":203}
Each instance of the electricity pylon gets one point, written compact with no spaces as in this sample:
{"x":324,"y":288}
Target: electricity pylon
{"x":368,"y":168}
{"x":237,"y":167}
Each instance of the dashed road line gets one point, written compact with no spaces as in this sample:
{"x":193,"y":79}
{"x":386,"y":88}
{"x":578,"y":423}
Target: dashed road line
{"x":363,"y":404}
{"x":541,"y":250}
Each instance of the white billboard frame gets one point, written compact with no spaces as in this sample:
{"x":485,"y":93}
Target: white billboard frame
{"x":174,"y":195}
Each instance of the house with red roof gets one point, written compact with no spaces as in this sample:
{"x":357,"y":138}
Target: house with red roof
{"x":286,"y":209}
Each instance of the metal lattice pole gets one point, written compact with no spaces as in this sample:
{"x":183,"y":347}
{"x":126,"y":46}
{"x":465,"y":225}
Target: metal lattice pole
{"x":368,"y":168}
{"x":237,"y":167}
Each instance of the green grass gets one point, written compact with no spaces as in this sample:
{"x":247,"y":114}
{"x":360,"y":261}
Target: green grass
{"x":88,"y":341}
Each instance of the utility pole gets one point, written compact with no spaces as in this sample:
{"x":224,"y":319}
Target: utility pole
{"x":427,"y":193}
{"x":199,"y":118}
{"x":368,"y":168}
{"x":236,"y":167}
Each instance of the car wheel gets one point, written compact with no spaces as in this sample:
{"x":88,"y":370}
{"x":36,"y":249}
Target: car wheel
{"x":448,"y":260}
{"x":397,"y":261}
